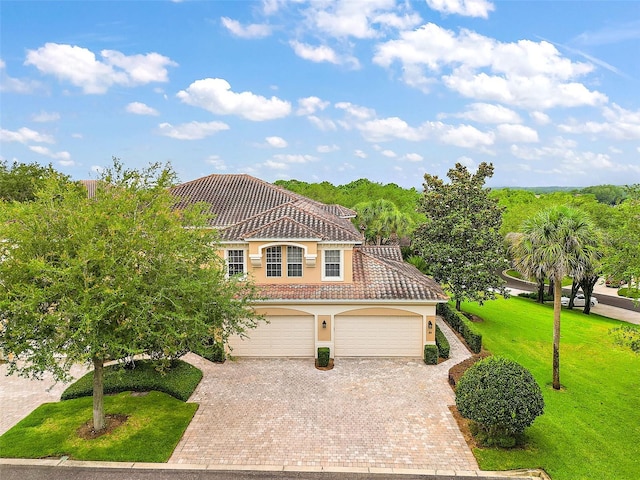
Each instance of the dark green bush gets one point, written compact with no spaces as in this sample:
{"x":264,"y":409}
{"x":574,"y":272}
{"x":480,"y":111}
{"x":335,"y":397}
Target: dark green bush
{"x":179,"y":381}
{"x":212,"y":351}
{"x":323,"y":356}
{"x":431,"y":354}
{"x":442,"y":343}
{"x":502,"y":397}
{"x":534,"y":296}
{"x":460,"y":324}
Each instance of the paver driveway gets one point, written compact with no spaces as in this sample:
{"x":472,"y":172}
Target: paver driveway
{"x":363,"y":413}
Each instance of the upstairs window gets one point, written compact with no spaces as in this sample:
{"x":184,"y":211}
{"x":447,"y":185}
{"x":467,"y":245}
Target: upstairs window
{"x":294,"y":262}
{"x":274,"y":261}
{"x":235,"y":262}
{"x":332,"y":264}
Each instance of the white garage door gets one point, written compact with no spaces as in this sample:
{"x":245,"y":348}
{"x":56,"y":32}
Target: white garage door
{"x":378,"y":336}
{"x":286,"y":336}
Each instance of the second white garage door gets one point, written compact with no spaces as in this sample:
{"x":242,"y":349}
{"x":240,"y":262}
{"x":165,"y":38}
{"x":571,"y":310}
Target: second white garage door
{"x":378,"y":336}
{"x":284,"y":336}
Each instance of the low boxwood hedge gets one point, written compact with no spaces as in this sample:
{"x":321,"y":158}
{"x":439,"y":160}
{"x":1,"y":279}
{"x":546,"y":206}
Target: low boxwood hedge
{"x":442,"y":343}
{"x":460,"y":324}
{"x":179,"y":381}
{"x":431,"y":354}
{"x":323,"y":356}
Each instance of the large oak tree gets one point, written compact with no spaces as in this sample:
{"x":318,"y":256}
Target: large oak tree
{"x":461,"y":240}
{"x":121,"y":274}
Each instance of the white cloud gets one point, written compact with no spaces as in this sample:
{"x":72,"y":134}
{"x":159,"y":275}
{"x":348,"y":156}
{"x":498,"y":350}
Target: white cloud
{"x":323,"y":124}
{"x":80,"y":67}
{"x":276,"y":142}
{"x":383,"y":129}
{"x":540,"y":118}
{"x":25,"y":135}
{"x":488,"y":113}
{"x":140,"y":108}
{"x":346,"y":18}
{"x":413,"y":157}
{"x":467,"y":8}
{"x":327,"y":148}
{"x":217,"y":162}
{"x":310,"y":105}
{"x":77,"y":135}
{"x":360,"y":154}
{"x":276,"y":165}
{"x":294,"y":158}
{"x":517,"y":133}
{"x":467,"y":136}
{"x":253,"y":30}
{"x":63,"y":157}
{"x":356,"y":111}
{"x":527,"y":74}
{"x":322,"y":53}
{"x":44,"y":117}
{"x":389,"y":153}
{"x":467,"y":162}
{"x":621,"y":124}
{"x":16,"y":85}
{"x":215,"y":95}
{"x":192,"y":130}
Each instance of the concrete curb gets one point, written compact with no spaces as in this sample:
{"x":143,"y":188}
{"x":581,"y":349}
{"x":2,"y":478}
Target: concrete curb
{"x":64,"y":462}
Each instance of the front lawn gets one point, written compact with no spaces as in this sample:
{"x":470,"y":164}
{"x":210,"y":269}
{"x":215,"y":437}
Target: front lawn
{"x":591,"y":428}
{"x":155,"y":424}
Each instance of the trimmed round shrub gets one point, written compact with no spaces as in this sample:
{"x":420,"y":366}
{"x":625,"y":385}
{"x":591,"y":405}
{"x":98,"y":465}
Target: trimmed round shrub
{"x":502,"y":397}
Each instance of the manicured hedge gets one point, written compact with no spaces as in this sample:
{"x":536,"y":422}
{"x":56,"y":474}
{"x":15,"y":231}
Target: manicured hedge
{"x":459,"y":323}
{"x":179,"y":381}
{"x":431,"y":354}
{"x":442,"y":343}
{"x":323,"y":356}
{"x":212,"y":351}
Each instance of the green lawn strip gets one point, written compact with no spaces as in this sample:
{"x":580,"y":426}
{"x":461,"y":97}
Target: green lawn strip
{"x":155,"y":425}
{"x":178,"y":381}
{"x":591,"y":428}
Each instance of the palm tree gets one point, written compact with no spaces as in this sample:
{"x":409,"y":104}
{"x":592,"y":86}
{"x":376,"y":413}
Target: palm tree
{"x":559,"y":241}
{"x":380,"y":220}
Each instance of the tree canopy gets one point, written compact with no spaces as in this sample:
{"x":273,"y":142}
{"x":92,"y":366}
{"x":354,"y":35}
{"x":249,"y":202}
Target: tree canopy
{"x":380,"y":220}
{"x":461,"y":240}
{"x":107,"y":278}
{"x":20,"y":181}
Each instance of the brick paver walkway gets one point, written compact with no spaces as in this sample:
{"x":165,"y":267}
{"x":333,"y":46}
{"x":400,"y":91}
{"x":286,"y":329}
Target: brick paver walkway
{"x":387,"y":413}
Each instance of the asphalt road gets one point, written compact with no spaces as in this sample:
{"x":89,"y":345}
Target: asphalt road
{"x":613,"y":299}
{"x":28,"y":472}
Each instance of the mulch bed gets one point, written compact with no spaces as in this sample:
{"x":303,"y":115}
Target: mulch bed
{"x":112,"y":422}
{"x":328,"y":367}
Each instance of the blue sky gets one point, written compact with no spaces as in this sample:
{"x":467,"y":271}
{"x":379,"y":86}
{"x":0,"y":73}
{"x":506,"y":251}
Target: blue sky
{"x":549,"y":91}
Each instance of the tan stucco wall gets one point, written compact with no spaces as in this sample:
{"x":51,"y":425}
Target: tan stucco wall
{"x":324,"y":334}
{"x":311,"y":267}
{"x":430,"y":334}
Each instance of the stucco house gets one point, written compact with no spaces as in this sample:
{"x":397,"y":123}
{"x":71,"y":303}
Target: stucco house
{"x":322,"y":286}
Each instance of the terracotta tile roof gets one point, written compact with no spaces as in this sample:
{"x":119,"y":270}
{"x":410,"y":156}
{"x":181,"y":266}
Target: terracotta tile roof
{"x":377,"y":275}
{"x":246,"y":207}
{"x":91,"y":186}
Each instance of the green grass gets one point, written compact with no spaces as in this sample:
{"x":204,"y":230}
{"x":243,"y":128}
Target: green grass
{"x":155,"y":425}
{"x":179,"y":381}
{"x":591,"y":428}
{"x":629,"y":292}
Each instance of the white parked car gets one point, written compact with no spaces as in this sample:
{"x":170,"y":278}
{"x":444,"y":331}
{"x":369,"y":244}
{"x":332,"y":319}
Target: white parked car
{"x":579,"y":301}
